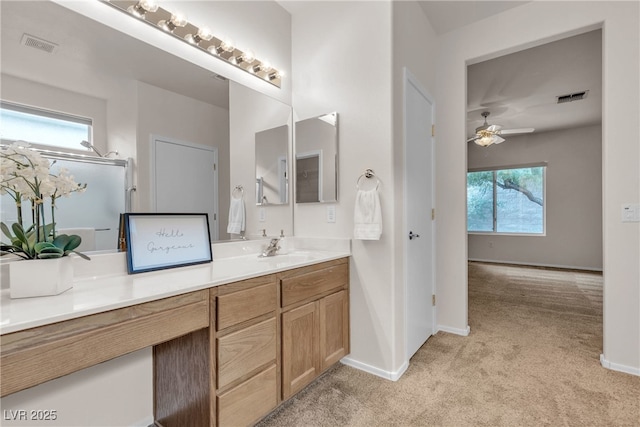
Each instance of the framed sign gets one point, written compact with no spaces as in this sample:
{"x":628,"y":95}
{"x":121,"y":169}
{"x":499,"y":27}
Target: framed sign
{"x":156,"y":241}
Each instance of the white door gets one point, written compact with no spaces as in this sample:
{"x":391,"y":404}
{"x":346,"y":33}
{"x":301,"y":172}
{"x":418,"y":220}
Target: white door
{"x":419,"y":272}
{"x":186,"y":179}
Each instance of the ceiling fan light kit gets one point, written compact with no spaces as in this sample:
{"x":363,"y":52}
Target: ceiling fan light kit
{"x":487,"y":135}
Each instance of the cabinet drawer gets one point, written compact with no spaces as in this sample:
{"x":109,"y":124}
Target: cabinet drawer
{"x":248,"y":402}
{"x":246,"y":350}
{"x":246,"y":304}
{"x":307,"y":285}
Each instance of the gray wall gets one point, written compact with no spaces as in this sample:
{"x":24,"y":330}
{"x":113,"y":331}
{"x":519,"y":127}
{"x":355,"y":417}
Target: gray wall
{"x":573,"y":199}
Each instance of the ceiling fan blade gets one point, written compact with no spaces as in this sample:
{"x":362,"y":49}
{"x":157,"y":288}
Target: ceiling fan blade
{"x":514,"y":131}
{"x":473,"y":138}
{"x":497,"y":139}
{"x":494,"y":128}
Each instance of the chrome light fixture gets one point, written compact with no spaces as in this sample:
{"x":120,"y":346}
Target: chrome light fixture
{"x":202,"y":38}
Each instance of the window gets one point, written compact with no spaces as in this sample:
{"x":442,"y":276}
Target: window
{"x":506,"y":201}
{"x":22,"y":123}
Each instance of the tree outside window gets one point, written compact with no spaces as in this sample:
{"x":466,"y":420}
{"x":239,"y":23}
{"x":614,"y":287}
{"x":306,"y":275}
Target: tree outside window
{"x":506,"y":200}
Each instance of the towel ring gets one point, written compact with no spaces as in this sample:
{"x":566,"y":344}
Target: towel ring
{"x":368,"y":174}
{"x":238,"y":189}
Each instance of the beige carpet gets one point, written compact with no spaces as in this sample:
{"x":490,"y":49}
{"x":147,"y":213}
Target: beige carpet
{"x":532,"y":359}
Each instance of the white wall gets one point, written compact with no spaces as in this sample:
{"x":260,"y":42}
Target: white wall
{"x":527,"y":25}
{"x":342,"y":62}
{"x":573,"y":199}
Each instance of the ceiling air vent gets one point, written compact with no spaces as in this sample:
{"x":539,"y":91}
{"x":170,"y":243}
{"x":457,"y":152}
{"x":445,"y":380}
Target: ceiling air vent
{"x":38,"y":43}
{"x":572,"y":97}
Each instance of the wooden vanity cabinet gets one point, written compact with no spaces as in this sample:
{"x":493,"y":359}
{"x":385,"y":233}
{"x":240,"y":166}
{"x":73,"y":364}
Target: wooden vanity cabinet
{"x":268,"y":338}
{"x":315,"y":322}
{"x":247,"y":342}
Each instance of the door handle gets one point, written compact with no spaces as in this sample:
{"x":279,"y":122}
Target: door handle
{"x":411,"y":235}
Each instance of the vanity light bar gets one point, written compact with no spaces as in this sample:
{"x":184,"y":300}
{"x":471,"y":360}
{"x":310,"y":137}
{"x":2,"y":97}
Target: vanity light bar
{"x":201,"y":38}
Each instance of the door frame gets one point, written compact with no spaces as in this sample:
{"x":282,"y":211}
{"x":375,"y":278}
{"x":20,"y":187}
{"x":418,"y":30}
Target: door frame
{"x":308,"y":155}
{"x":409,"y":78}
{"x":153,"y":141}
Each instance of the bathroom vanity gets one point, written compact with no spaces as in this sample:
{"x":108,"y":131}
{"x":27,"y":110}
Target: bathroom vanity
{"x":231,"y":340}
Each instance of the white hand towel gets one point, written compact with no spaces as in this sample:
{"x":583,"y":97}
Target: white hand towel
{"x":367,"y":216}
{"x":236,"y":216}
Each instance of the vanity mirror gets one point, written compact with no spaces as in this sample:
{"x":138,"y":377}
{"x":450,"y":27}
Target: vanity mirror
{"x":316,"y":148}
{"x":134,"y":93}
{"x":272,"y":166}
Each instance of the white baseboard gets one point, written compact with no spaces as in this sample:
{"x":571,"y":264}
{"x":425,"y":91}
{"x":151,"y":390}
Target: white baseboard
{"x":457,"y":331}
{"x":537,"y":264}
{"x":617,"y":367}
{"x":387,"y":375}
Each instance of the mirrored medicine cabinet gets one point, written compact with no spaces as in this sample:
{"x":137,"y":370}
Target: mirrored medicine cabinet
{"x":316,"y":159}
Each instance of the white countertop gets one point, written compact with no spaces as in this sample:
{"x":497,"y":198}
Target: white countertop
{"x":96,"y":294}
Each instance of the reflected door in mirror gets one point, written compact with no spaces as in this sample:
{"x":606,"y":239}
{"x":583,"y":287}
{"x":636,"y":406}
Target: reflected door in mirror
{"x":316,"y":148}
{"x":272,"y":179}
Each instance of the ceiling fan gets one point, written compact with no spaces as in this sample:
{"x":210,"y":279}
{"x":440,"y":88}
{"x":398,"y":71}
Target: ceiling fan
{"x":490,"y":134}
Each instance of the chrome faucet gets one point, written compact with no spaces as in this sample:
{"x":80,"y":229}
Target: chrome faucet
{"x":272,"y":248}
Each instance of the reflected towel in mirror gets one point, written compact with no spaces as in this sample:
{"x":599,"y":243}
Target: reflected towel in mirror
{"x":367,"y":216}
{"x":236,"y":216}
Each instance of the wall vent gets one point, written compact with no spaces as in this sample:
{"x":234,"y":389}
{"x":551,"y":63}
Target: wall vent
{"x":38,"y":43}
{"x":572,"y":97}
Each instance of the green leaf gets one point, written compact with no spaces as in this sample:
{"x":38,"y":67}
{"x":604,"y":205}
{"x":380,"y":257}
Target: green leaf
{"x":51,"y":250}
{"x":19,"y":232}
{"x":74,"y":242}
{"x":61,"y":241}
{"x":6,"y":231}
{"x":80,"y":254}
{"x":40,"y":246}
{"x":50,"y":255}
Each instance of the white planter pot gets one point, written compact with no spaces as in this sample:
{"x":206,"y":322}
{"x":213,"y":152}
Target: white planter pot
{"x":40,"y":277}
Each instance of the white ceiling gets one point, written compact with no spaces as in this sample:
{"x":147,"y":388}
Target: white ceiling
{"x":520,"y":89}
{"x":449,"y":15}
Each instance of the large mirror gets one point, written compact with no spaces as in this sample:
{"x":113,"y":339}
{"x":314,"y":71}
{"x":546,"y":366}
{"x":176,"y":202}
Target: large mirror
{"x":272,"y":166}
{"x":145,"y":103}
{"x":316,"y":151}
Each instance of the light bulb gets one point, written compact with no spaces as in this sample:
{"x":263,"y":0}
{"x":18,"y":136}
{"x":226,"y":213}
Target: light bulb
{"x":276,"y":74}
{"x":205,"y":34}
{"x":202,"y":34}
{"x":227,"y":45}
{"x":142,"y":7}
{"x":247,"y":56}
{"x":265,"y":67}
{"x":177,"y":20}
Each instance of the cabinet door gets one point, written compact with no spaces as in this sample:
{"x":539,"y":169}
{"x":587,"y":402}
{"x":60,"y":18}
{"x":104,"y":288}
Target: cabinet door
{"x":300,"y":352}
{"x":334,"y":328}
